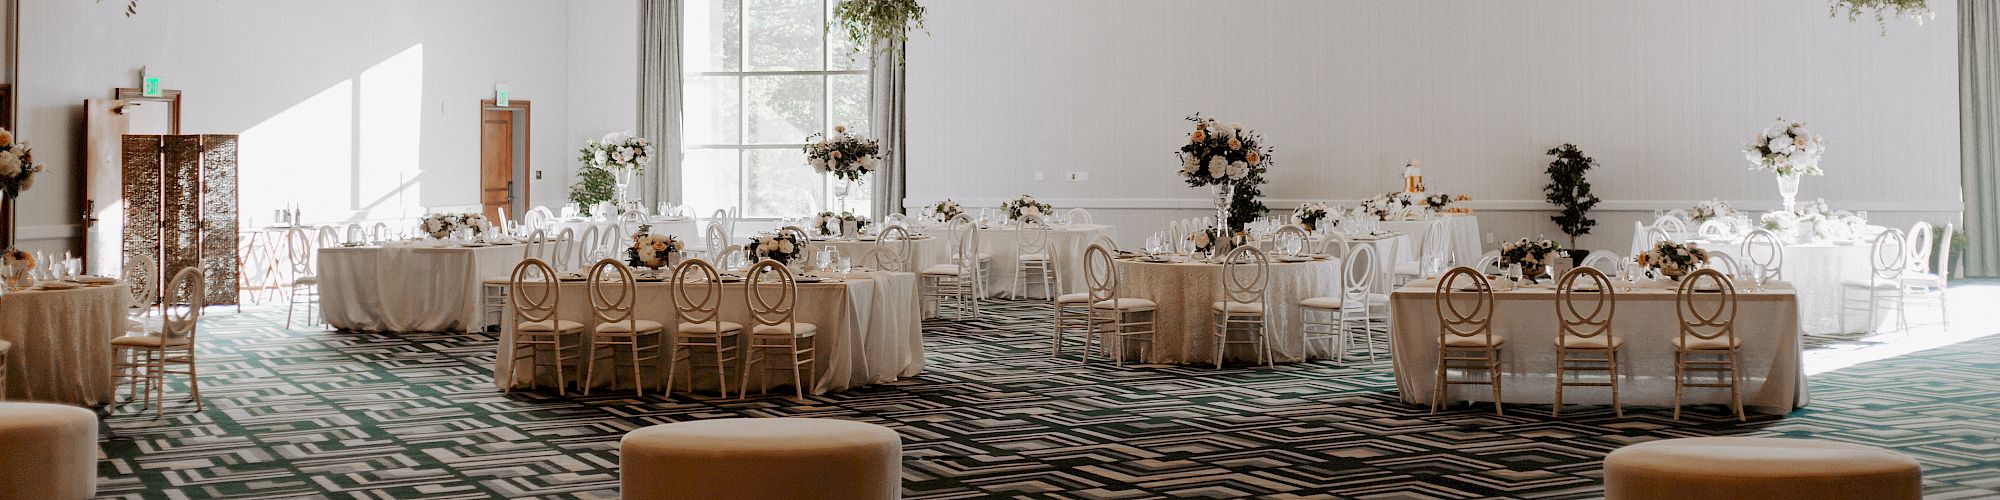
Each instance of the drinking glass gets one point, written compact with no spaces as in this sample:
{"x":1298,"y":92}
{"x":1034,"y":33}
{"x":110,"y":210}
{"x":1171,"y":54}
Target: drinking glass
{"x":1756,"y":274}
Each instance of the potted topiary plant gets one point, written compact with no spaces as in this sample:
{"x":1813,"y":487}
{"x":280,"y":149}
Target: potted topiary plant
{"x":1569,"y":190}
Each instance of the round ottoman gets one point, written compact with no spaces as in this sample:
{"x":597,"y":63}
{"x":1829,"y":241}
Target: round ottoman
{"x":752,"y":458}
{"x":47,"y":451}
{"x":1765,"y":468}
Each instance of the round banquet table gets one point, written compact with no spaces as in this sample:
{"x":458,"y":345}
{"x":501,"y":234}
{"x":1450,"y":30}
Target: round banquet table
{"x":1184,"y":320}
{"x":683,"y":228}
{"x":1066,"y":242}
{"x":925,"y":250}
{"x":62,"y":342}
{"x":1816,"y":270}
{"x":1462,"y":229}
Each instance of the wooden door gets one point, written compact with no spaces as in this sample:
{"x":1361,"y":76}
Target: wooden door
{"x":496,"y":162}
{"x":105,"y":126}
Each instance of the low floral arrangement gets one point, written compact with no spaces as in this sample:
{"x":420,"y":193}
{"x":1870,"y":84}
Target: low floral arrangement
{"x":1780,"y":222}
{"x":1711,"y":210}
{"x":1206,"y":238}
{"x":947,"y":210}
{"x":1787,"y":150}
{"x":442,"y":225}
{"x":1309,"y":215}
{"x":652,"y":250}
{"x":17,"y":166}
{"x":828,"y":223}
{"x":780,"y":247}
{"x":1531,"y":255}
{"x":1385,"y":206}
{"x":1673,"y":259}
{"x":1221,"y":154}
{"x":1438,"y":202}
{"x":17,"y":259}
{"x":846,"y":156}
{"x":1815,"y":207}
{"x":1020,"y":208}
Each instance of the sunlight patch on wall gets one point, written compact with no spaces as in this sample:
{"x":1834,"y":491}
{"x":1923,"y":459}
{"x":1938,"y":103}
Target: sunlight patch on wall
{"x":301,"y":155}
{"x":391,"y":116}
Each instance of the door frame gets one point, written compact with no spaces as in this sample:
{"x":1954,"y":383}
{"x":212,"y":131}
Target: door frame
{"x":170,"y":96}
{"x":525,"y":112}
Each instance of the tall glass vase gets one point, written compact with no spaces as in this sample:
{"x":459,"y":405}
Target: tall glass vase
{"x":841,"y":188}
{"x":1225,"y":195}
{"x":623,"y":198}
{"x":1788,"y":187}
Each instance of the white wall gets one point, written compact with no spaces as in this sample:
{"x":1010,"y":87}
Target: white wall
{"x":1663,"y":94}
{"x":356,"y":109}
{"x":603,"y":73}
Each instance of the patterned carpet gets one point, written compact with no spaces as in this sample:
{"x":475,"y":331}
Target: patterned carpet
{"x":335,"y":414}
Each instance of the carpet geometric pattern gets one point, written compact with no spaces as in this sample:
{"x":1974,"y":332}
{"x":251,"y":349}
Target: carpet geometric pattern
{"x":300,"y":413}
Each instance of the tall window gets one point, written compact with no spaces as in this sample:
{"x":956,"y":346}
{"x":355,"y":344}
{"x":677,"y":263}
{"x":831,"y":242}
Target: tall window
{"x":762,"y":75}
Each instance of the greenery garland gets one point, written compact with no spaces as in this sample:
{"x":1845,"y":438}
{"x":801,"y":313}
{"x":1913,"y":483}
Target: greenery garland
{"x":1913,"y":9}
{"x":1568,"y":189}
{"x":870,"y":21}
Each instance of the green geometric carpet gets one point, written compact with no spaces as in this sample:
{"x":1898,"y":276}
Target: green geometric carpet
{"x":339,"y":414}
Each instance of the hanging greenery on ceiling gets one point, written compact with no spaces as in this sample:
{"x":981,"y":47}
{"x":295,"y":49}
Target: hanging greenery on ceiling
{"x":131,"y":7}
{"x":1918,"y":10}
{"x":886,"y":21}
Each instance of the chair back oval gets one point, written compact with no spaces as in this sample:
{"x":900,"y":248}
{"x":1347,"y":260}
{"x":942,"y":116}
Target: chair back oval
{"x":537,"y":218}
{"x":882,"y":258}
{"x":535,"y":247}
{"x":629,"y":221}
{"x":299,"y":251}
{"x":1357,"y":274}
{"x":1723,"y":262}
{"x":717,"y":238}
{"x":966,"y":255}
{"x":1489,"y":263}
{"x":611,"y":244}
{"x":1031,"y":236}
{"x":730,"y":255}
{"x":328,"y":237}
{"x":140,"y":273}
{"x":1889,"y":256}
{"x":1100,"y":277}
{"x":1333,"y":244}
{"x":1944,"y":259}
{"x":380,"y":232}
{"x":1245,"y":274}
{"x":1106,"y":241}
{"x":1291,"y":240}
{"x":352,"y":233}
{"x":587,"y":246}
{"x":1921,"y":235}
{"x":1078,"y":216}
{"x":533,"y":288}
{"x":697,"y":275}
{"x":771,"y":302}
{"x":1763,"y":248}
{"x":1712,"y":230}
{"x":565,"y":248}
{"x":796,"y":232}
{"x":1656,"y":234}
{"x":1585,"y":304}
{"x":180,"y":307}
{"x":1601,"y":260}
{"x":896,"y":239}
{"x":1706,"y":306}
{"x":1436,"y":246}
{"x":612,"y":293}
{"x":1464,"y":305}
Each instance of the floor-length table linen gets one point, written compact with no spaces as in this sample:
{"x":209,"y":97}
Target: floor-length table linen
{"x":683,"y":228}
{"x":410,"y":287}
{"x":62,"y":342}
{"x":1184,"y":320}
{"x":1462,"y":229}
{"x":869,"y":333}
{"x":1066,"y":244}
{"x":924,"y":251}
{"x":1766,"y":322}
{"x":1816,"y":271}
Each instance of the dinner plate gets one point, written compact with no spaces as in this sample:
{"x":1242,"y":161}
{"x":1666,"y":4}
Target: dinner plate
{"x":1288,"y":258}
{"x":808,"y":279}
{"x":94,"y":280}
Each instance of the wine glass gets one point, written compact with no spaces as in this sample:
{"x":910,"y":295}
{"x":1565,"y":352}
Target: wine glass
{"x":1629,"y":272}
{"x":1756,"y":273}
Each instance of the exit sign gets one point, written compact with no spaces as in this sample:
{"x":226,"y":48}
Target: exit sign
{"x":151,"y":87}
{"x":500,"y":94}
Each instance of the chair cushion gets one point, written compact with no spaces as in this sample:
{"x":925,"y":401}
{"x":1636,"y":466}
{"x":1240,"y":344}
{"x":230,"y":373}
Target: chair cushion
{"x":1032,"y":257}
{"x":626,"y":326}
{"x":561,"y":325}
{"x":5,"y":346}
{"x":1475,"y":341}
{"x":1073,"y":298}
{"x":1923,"y":279}
{"x":1866,"y":285}
{"x":708,"y":328}
{"x":804,"y":330}
{"x":148,"y":341}
{"x":1714,"y":344}
{"x":1742,"y":467}
{"x":1575,"y":342}
{"x":942,"y":270}
{"x":1239,"y":307}
{"x":133,"y":325}
{"x":1123,"y":304}
{"x":308,"y":280}
{"x":1335,"y":302}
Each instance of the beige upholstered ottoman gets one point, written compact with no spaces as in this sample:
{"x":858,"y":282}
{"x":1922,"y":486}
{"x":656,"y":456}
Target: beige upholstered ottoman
{"x":47,"y":451}
{"x":753,"y":458}
{"x":1763,"y":468}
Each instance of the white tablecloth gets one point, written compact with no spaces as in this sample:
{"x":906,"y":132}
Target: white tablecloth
{"x":1464,"y":230}
{"x":869,"y":331}
{"x":1184,"y":321}
{"x":1065,"y":242}
{"x":679,"y":227}
{"x":62,"y":342}
{"x":927,"y":251}
{"x":1815,"y":270}
{"x":1767,"y":323}
{"x":409,"y":288}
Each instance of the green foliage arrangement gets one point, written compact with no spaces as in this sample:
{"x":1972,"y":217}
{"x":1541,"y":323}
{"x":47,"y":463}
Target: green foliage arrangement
{"x":1919,"y":10}
{"x":870,"y":21}
{"x":593,"y":185}
{"x":1568,"y":189}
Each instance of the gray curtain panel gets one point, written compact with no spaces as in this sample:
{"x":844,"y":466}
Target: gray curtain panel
{"x":660,"y":97}
{"x":885,"y":104}
{"x":1979,"y":132}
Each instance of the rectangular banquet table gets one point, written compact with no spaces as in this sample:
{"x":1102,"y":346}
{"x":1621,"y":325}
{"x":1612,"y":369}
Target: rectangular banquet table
{"x":409,"y":288}
{"x":1767,"y":322}
{"x":869,"y":332}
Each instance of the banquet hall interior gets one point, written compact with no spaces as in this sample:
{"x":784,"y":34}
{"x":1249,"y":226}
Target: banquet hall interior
{"x":950,"y":249}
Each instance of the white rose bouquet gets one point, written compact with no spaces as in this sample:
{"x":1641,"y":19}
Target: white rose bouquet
{"x":1309,"y":215}
{"x":780,"y":247}
{"x":1816,"y":207}
{"x":653,"y":250}
{"x":17,"y":166}
{"x":1387,"y":206}
{"x":1711,"y":210}
{"x":1787,"y":150}
{"x":828,"y":223}
{"x":1673,"y":259}
{"x":1221,"y":154}
{"x":1020,"y":208}
{"x":1530,"y":254}
{"x":1206,"y":238}
{"x":845,"y":155}
{"x":1780,"y":222}
{"x":947,"y":209}
{"x":442,"y":225}
{"x":617,"y":151}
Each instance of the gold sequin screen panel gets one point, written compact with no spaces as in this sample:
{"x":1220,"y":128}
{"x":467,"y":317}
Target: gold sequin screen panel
{"x":181,"y":207}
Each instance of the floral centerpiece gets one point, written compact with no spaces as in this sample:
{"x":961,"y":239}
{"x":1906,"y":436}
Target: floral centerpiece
{"x":1787,"y":151}
{"x":947,"y":210}
{"x":1231,"y":160}
{"x":1711,"y":210}
{"x":1020,"y":208}
{"x":1531,"y":255}
{"x":779,"y":247}
{"x":653,"y":250}
{"x":17,"y":166}
{"x":1438,"y":202}
{"x":1673,"y":259}
{"x":19,"y":263}
{"x":443,"y":225}
{"x":829,"y":223}
{"x":1308,"y":215}
{"x":1389,"y":205}
{"x":608,"y":166}
{"x":1205,"y":240}
{"x":846,"y":156}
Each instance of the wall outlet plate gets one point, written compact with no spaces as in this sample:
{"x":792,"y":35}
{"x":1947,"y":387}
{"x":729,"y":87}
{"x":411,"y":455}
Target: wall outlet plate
{"x":538,"y":175}
{"x":1038,"y":175}
{"x":1079,"y":176}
